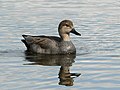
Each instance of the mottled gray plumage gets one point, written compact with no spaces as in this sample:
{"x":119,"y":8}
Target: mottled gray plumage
{"x":52,"y":44}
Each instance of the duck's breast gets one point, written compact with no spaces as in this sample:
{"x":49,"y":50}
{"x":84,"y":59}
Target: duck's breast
{"x":67,"y":47}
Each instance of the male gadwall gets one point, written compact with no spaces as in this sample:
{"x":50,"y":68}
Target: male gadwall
{"x":53,"y":44}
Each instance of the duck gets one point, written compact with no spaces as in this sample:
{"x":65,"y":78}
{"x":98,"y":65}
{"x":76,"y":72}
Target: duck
{"x":52,"y":44}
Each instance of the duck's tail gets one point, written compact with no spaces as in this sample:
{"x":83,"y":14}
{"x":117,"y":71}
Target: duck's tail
{"x":23,"y":40}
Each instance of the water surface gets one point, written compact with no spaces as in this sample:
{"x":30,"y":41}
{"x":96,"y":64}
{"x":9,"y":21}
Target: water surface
{"x":96,"y":65}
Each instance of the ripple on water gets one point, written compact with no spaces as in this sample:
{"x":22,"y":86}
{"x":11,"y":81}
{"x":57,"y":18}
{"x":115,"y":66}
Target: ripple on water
{"x":98,"y":49}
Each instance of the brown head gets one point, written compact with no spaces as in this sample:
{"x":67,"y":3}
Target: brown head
{"x":65,"y":28}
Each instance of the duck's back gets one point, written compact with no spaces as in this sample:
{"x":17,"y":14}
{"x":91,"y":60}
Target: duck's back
{"x":42,"y":44}
{"x":48,"y":45}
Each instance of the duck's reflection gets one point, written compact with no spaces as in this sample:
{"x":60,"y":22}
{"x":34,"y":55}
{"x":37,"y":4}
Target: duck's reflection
{"x":65,"y":61}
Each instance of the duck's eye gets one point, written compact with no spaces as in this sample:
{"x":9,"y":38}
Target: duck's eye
{"x":67,"y":25}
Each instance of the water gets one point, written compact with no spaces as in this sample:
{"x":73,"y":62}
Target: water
{"x":98,"y":49}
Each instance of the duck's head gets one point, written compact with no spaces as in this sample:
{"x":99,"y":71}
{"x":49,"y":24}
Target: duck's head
{"x":65,"y":28}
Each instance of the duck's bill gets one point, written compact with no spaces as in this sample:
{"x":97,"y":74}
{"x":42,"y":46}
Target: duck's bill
{"x":75,"y":32}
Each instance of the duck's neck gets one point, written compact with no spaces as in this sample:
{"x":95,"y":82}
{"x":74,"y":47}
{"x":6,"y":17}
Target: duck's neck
{"x":65,"y":37}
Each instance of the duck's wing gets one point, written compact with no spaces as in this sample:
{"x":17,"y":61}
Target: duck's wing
{"x":43,"y":41}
